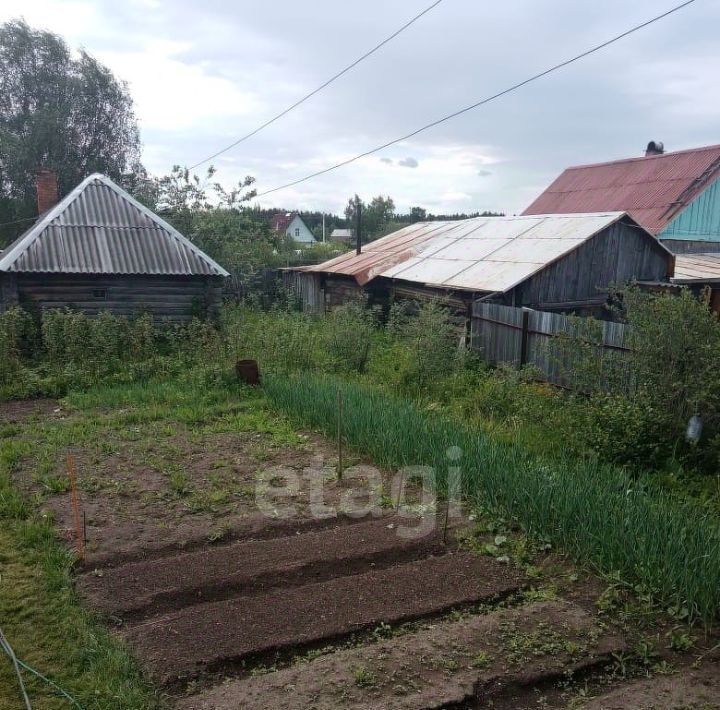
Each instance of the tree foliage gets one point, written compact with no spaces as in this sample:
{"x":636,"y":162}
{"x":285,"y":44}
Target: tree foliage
{"x":218,"y":221}
{"x":65,"y":112}
{"x":376,"y":215}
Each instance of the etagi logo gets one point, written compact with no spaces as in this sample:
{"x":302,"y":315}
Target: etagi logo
{"x":412,"y":492}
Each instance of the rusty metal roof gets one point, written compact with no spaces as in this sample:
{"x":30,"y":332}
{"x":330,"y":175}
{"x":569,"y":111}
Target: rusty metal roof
{"x":696,"y":268}
{"x":651,"y":189}
{"x":100,"y":229}
{"x":484,"y":254}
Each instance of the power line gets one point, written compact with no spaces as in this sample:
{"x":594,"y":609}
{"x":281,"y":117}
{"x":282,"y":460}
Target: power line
{"x":484,"y":101}
{"x":319,"y":88}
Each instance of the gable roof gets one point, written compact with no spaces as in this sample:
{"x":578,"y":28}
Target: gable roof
{"x":651,"y":189}
{"x":281,"y":221}
{"x":492,"y":254}
{"x":99,"y":228}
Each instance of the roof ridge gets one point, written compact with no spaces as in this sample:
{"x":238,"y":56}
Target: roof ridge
{"x":20,"y":247}
{"x":684,"y":151}
{"x":25,"y":241}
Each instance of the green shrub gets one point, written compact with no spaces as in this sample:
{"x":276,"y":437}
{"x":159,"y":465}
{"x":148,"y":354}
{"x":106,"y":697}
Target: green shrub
{"x":18,"y":340}
{"x":280,"y":340}
{"x":349,"y":332}
{"x":432,"y":342}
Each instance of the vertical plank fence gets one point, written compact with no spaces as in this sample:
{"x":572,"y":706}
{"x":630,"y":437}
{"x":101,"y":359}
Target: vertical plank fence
{"x":518,"y":336}
{"x":306,"y":287}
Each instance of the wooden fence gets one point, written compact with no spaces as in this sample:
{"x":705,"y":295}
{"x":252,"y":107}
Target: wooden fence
{"x":518,"y":336}
{"x":306,"y":288}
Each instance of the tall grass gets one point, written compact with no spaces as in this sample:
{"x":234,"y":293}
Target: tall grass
{"x":664,"y":546}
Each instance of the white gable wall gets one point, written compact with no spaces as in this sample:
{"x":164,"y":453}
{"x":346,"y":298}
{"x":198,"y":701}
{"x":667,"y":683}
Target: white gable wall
{"x":299,"y":232}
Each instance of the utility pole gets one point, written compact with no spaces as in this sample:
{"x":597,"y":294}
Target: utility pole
{"x":358,"y":225}
{"x":323,"y":228}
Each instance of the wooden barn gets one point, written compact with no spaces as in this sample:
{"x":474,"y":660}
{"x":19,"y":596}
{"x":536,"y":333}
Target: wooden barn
{"x":98,"y":249}
{"x":561,"y":263}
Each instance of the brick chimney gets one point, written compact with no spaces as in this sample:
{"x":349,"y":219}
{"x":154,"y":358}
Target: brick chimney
{"x":47,"y":189}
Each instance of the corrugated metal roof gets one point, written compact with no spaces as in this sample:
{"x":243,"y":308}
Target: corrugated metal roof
{"x":651,"y":189}
{"x":481,"y":254}
{"x":694,"y":268}
{"x":100,"y":229}
{"x":382,"y":253}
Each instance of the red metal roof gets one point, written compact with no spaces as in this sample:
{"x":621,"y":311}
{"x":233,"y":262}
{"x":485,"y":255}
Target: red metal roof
{"x":381,"y":254}
{"x":281,"y":221}
{"x":651,"y":189}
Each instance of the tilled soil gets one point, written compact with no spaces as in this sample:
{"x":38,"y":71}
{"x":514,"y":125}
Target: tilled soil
{"x":25,"y":409}
{"x":208,"y":637}
{"x":149,"y":587}
{"x":693,"y":689}
{"x":449,"y":664}
{"x":132,"y":507}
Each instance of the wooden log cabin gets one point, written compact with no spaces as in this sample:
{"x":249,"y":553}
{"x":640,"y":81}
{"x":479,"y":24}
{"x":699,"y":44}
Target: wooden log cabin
{"x":99,"y":249}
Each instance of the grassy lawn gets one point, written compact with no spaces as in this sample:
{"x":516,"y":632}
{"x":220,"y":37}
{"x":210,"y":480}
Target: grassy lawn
{"x":164,"y":428}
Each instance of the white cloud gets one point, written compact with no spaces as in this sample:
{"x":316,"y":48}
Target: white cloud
{"x":73,"y":19}
{"x":455,"y":196}
{"x":173,"y":95}
{"x":204,"y":74}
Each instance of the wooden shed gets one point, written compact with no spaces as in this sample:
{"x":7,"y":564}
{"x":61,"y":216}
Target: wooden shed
{"x":562,"y":263}
{"x":99,"y":249}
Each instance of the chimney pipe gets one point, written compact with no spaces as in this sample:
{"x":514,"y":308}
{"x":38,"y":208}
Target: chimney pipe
{"x":47,"y":190}
{"x":654,"y":148}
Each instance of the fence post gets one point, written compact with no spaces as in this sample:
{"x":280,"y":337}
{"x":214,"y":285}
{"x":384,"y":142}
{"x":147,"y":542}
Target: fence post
{"x":524,"y":338}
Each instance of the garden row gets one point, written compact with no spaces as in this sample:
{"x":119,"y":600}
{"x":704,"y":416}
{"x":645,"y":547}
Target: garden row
{"x":664,"y":547}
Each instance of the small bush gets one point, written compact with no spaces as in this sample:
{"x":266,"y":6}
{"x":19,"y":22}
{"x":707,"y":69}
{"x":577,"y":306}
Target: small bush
{"x":432,"y":342}
{"x":18,"y":336}
{"x":349,"y":332}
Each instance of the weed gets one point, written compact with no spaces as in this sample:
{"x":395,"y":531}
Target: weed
{"x":383,"y":631}
{"x":680,"y":641}
{"x":179,"y":484}
{"x":221,"y":532}
{"x":481,"y":660}
{"x":364,"y":677}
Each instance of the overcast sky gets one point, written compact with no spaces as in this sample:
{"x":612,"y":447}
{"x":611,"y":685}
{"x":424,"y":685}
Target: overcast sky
{"x":204,"y":73}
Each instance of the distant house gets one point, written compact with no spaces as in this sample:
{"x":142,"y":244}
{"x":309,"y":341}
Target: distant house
{"x":291,"y":225}
{"x":99,"y":249}
{"x":563,"y":263}
{"x":344,"y":236}
{"x":675,"y":196}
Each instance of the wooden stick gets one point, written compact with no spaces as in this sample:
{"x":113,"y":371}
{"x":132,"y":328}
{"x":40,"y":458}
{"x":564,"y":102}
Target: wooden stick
{"x":75,"y":501}
{"x":339,"y":435}
{"x":447,"y":515}
{"x":400,"y":489}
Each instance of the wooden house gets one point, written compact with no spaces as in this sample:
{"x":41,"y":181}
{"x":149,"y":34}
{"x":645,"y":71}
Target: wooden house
{"x":675,"y":196}
{"x":99,"y":249}
{"x":290,"y":224}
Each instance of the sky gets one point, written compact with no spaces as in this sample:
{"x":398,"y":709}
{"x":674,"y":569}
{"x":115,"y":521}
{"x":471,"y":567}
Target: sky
{"x":204,"y":73}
